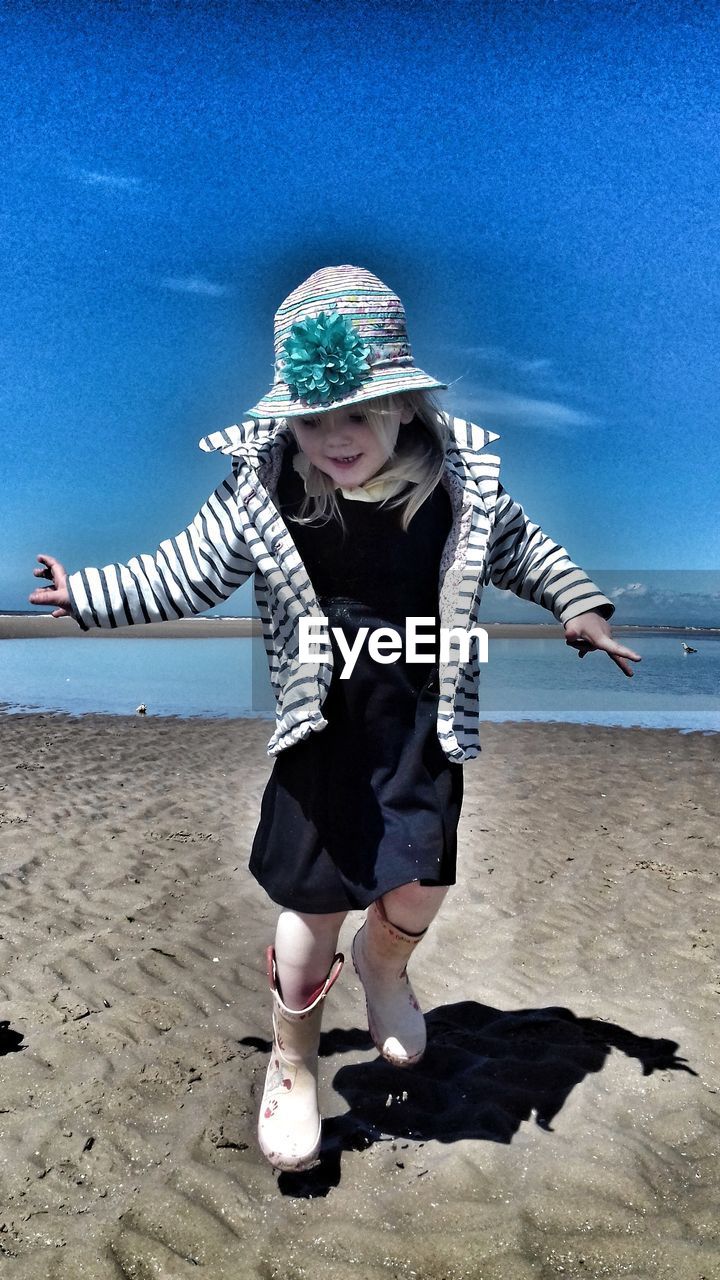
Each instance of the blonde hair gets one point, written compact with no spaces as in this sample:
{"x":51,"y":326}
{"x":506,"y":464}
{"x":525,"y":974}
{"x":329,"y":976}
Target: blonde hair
{"x":418,"y":457}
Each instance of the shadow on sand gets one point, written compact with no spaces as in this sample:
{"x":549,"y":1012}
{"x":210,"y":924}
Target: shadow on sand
{"x":10,"y":1041}
{"x":484,"y":1073}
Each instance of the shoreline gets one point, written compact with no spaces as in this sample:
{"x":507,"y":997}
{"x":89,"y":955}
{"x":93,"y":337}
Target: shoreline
{"x":43,"y":626}
{"x":8,"y":711}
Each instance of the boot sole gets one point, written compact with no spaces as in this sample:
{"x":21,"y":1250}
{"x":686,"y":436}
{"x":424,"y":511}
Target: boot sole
{"x":293,"y":1166}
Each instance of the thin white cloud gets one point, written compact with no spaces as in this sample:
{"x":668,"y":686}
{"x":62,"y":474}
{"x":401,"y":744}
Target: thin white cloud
{"x":642,"y":594}
{"x":524,"y":411}
{"x":633,"y":590}
{"x":638,"y":602}
{"x":111,"y":181}
{"x":671,"y":608}
{"x":196,"y":284}
{"x":538,"y":366}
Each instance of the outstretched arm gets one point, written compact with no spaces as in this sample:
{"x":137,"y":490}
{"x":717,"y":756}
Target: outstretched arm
{"x":187,"y":574}
{"x":523,"y":559}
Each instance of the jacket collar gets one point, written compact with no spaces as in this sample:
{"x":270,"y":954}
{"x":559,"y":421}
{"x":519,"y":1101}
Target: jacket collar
{"x":255,"y":440}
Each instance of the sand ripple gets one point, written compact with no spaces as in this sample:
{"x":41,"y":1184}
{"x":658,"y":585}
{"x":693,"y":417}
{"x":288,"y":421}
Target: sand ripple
{"x":564,"y":1122}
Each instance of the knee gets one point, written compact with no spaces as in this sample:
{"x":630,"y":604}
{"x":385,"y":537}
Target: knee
{"x":413,"y":906}
{"x":413,"y":894}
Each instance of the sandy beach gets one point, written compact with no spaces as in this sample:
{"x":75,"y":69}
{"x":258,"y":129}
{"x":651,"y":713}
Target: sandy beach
{"x":564,"y":1122}
{"x":45,"y":627}
{"x":42,"y":626}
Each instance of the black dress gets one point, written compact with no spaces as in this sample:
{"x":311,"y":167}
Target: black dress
{"x":371,"y":801}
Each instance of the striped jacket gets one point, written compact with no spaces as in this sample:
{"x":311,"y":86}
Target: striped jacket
{"x":239,"y":531}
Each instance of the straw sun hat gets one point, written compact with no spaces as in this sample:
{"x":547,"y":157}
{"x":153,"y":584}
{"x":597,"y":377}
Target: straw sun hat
{"x":340,"y":338}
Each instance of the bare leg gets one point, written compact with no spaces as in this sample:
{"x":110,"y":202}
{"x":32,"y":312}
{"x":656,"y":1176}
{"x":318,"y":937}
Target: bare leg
{"x":304,"y":949}
{"x":412,"y":907}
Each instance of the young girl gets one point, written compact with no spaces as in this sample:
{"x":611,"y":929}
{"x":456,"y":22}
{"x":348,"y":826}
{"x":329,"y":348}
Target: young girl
{"x":355,"y":500}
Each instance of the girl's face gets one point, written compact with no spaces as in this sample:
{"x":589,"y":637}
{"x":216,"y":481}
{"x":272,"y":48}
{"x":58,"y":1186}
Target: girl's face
{"x":343,"y":445}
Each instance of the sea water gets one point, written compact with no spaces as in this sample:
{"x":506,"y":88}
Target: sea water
{"x":524,"y":679}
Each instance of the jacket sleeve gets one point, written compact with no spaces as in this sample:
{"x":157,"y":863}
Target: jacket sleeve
{"x":187,"y":574}
{"x":523,"y":559}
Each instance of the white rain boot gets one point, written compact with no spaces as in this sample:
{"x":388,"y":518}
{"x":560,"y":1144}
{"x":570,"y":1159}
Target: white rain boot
{"x":289,"y":1125}
{"x":380,"y":953}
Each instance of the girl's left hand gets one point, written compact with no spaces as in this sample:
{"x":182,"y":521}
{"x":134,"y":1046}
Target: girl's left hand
{"x":589,"y":631}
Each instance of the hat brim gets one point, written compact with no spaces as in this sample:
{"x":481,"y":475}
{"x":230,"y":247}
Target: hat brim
{"x":278,"y":403}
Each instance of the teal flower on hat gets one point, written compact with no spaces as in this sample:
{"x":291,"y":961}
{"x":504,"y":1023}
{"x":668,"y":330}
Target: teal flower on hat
{"x":325,"y":359}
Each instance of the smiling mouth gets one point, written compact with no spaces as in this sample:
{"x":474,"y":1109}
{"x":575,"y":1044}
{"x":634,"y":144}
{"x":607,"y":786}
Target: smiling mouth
{"x":347,"y":461}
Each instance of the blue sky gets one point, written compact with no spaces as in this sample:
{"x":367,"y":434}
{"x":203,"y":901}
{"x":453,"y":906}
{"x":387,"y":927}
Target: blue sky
{"x":538,"y":181}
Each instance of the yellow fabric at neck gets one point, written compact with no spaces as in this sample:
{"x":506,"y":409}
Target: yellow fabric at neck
{"x":374,"y":490}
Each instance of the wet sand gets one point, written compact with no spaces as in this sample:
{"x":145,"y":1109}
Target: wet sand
{"x":44,"y":626}
{"x":564,"y":1122}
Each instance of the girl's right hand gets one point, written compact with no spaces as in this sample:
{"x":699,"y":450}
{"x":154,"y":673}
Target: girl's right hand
{"x":57,"y":594}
